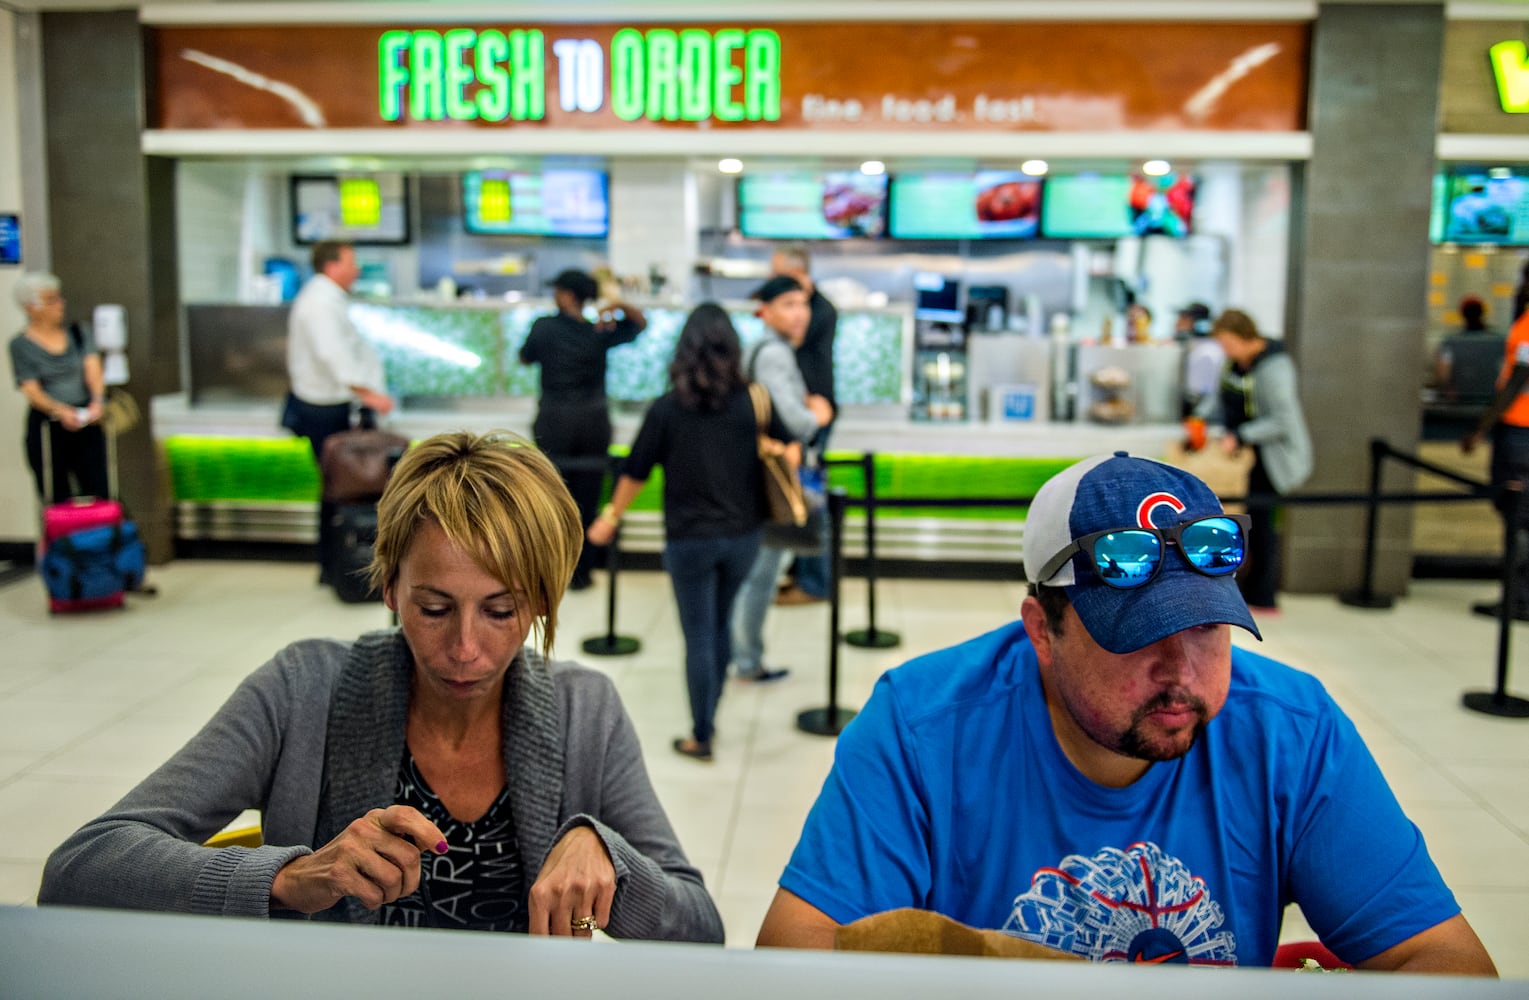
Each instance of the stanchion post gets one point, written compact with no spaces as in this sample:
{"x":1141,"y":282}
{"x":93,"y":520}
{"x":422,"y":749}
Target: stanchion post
{"x":1499,"y":701}
{"x":611,"y":644}
{"x":831,"y":720}
{"x":1365,"y":596}
{"x":871,"y":637}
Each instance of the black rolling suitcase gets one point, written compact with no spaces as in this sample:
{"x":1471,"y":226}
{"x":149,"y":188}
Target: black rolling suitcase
{"x":355,"y":467}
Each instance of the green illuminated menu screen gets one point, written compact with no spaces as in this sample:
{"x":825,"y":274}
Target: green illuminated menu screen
{"x":555,"y":202}
{"x":1108,"y":206}
{"x":812,"y":206}
{"x":1086,"y":206}
{"x":370,"y":208}
{"x":991,"y":204}
{"x":1484,"y":205}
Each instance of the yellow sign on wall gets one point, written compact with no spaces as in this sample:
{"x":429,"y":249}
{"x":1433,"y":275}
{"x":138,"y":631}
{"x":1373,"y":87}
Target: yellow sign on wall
{"x":1510,"y":64}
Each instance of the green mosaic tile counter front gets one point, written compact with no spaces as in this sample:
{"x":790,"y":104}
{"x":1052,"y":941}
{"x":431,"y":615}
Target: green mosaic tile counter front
{"x":282,"y":470}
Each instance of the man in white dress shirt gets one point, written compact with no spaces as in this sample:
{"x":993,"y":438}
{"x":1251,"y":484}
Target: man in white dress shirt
{"x":330,"y":365}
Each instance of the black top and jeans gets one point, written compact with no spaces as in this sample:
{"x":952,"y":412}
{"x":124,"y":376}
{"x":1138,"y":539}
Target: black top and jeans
{"x":573,"y":423}
{"x":713,"y":511}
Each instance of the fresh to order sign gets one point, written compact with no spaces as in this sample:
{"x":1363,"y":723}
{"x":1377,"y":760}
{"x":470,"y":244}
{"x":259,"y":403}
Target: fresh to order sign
{"x":693,"y":75}
{"x":835,"y":76}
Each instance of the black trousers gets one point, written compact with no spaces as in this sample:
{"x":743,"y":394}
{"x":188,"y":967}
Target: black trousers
{"x":576,"y":435}
{"x":79,"y":456}
{"x":316,"y":423}
{"x":1510,"y":462}
{"x":1260,"y":581}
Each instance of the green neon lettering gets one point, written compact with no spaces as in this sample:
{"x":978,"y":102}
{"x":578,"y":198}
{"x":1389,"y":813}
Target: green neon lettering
{"x":663,"y":88}
{"x":695,"y":75}
{"x":494,"y":99}
{"x":459,"y":73}
{"x":528,"y":92}
{"x":761,"y":60}
{"x":628,"y":74}
{"x":426,"y":102}
{"x":725,"y":75}
{"x":1510,"y":64}
{"x":392,"y":77}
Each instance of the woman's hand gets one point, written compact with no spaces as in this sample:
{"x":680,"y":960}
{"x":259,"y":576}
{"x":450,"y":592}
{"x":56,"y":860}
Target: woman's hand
{"x":601,"y":530}
{"x":375,"y":859}
{"x":577,"y":881}
{"x":1230,"y":444}
{"x":94,"y":410}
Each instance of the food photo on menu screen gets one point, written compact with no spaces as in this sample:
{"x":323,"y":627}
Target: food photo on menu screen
{"x":1162,"y":205}
{"x":804,"y":205}
{"x":1487,"y":206}
{"x":990,"y":204}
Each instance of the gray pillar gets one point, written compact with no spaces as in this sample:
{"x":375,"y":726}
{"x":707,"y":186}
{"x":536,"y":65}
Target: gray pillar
{"x":111,"y":223}
{"x":1360,"y":270}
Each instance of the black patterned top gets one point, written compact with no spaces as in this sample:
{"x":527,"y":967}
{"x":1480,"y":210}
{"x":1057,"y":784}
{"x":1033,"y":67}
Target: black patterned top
{"x":479,"y":884}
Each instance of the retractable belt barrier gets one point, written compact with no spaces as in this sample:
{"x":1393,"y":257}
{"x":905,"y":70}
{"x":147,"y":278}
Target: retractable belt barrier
{"x":831,"y":719}
{"x":609,"y":644}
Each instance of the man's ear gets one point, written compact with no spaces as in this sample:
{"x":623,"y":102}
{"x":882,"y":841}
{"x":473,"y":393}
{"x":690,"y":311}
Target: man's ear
{"x":1034,"y":617}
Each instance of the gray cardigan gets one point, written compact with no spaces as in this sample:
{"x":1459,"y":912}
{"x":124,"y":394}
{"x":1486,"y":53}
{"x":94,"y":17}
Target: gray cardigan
{"x":1278,"y":428}
{"x":313,"y":739}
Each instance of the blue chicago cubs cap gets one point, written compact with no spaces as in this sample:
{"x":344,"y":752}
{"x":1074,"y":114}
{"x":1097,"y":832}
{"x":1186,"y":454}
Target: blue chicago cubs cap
{"x":1123,"y":491}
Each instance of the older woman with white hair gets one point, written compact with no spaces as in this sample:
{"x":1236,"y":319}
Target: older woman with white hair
{"x":58,"y":370}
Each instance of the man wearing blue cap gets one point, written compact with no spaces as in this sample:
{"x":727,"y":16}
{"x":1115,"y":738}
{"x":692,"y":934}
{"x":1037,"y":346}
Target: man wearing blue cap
{"x":1110,"y":777}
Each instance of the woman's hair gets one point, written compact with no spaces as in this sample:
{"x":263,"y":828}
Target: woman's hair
{"x":498,"y":498}
{"x":706,"y":368}
{"x":1238,"y":323}
{"x":31,"y":285}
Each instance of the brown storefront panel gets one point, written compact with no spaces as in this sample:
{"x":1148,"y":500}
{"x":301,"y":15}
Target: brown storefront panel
{"x":1011,"y":76}
{"x":1469,"y":100}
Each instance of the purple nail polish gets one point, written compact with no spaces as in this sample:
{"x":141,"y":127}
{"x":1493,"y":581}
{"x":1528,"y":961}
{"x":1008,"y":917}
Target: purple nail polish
{"x":442,"y":847}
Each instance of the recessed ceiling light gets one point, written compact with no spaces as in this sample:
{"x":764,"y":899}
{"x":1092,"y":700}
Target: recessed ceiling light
{"x":730,"y":165}
{"x":873,"y":168}
{"x":1156,"y":168}
{"x":1035,"y":168}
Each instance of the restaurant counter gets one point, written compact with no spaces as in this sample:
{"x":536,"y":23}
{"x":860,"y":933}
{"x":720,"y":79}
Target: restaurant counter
{"x":237,"y":477}
{"x":54,"y":952}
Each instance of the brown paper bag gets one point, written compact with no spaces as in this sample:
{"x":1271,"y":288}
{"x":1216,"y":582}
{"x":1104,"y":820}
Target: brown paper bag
{"x":924,"y":933}
{"x":1226,"y":475}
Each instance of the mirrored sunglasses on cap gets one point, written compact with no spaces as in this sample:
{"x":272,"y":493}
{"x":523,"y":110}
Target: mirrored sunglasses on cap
{"x":1126,"y":558}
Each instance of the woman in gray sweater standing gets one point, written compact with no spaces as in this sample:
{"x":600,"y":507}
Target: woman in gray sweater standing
{"x":442,"y":774}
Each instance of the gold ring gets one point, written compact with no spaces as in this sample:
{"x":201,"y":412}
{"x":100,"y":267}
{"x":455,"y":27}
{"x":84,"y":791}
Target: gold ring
{"x":586,"y":924}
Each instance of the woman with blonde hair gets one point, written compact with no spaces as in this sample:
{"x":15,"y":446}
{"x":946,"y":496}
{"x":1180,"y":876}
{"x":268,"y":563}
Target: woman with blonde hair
{"x":440,"y":774}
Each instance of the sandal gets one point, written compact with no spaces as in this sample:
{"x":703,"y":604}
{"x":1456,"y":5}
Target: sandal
{"x":694,"y":749}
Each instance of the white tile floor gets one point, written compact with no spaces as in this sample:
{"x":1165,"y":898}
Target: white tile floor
{"x":88,"y":704}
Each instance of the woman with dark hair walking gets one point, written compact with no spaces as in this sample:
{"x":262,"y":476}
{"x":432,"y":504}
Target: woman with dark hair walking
{"x":704,"y":434}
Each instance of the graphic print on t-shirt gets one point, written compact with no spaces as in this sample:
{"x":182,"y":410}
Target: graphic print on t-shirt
{"x":1138,"y":905}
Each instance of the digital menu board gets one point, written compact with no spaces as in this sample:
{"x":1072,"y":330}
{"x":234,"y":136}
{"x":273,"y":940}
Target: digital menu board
{"x":805,"y":205}
{"x":1485,"y":205}
{"x":1109,"y":206}
{"x":557,"y":201}
{"x":990,"y":204}
{"x":362,"y":209}
{"x":10,"y":239}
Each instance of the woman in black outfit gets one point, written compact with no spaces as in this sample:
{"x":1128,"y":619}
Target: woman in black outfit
{"x":704,"y":434}
{"x":573,"y":424}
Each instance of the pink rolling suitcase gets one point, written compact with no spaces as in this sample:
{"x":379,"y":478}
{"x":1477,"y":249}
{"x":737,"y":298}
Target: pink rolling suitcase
{"x":80,"y":514}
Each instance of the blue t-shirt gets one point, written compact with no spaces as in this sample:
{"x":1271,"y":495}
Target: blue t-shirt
{"x":950,"y":793}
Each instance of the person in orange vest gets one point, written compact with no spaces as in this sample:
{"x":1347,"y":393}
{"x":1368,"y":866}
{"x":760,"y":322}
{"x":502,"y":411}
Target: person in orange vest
{"x":1507,"y":418}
